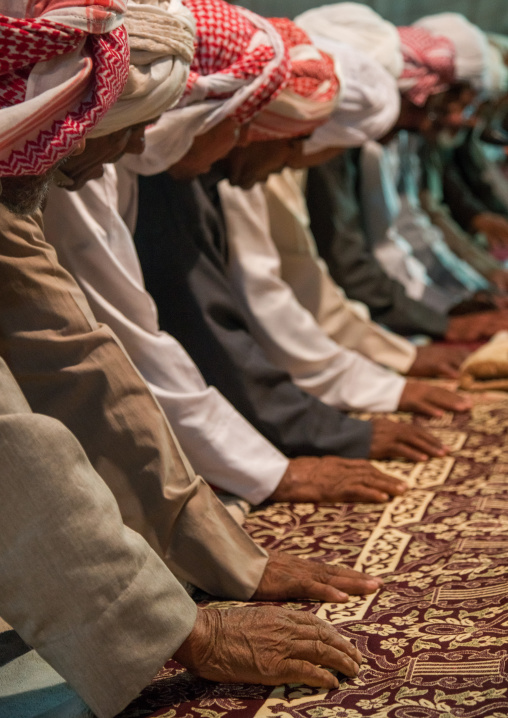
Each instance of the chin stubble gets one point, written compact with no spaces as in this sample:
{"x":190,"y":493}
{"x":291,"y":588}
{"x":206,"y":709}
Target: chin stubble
{"x":25,"y":195}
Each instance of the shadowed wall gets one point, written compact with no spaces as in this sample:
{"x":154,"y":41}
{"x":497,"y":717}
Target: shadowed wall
{"x":491,"y":15}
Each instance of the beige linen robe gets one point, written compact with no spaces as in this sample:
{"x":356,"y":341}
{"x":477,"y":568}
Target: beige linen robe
{"x":84,"y":590}
{"x":73,"y":369}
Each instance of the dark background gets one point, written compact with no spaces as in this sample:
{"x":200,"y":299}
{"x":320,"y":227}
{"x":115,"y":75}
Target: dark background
{"x":491,"y":15}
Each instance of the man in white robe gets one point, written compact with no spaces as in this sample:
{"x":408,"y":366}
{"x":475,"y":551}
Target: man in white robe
{"x":92,"y":232}
{"x":289,"y":334}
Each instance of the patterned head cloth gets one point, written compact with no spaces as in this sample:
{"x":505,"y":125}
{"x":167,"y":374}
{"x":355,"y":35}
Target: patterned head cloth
{"x":470,"y":44}
{"x":161,"y":41}
{"x":240,"y":64}
{"x":239,"y":58}
{"x":358,"y":26}
{"x":429,"y":64}
{"x":63,"y":63}
{"x":308,"y":99}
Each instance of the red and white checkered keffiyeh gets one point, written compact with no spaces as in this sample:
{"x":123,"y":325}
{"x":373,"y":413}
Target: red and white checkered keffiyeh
{"x":429,"y":64}
{"x":308,"y":99}
{"x":240,"y":64}
{"x":63,"y":63}
{"x":239,"y":58}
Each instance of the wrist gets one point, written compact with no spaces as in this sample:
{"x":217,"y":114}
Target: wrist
{"x":193,"y":651}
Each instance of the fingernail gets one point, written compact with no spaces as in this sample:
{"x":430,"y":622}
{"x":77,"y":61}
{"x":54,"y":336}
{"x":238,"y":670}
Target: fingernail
{"x":373,"y":584}
{"x":385,"y":497}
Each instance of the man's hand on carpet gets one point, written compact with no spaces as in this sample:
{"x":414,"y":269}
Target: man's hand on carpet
{"x":438,"y":361}
{"x":391,"y":440}
{"x":476,"y":327}
{"x":431,"y":400}
{"x":493,"y":226}
{"x":267,"y":645}
{"x":288,"y":577}
{"x":499,"y":278}
{"x":331,"y":479}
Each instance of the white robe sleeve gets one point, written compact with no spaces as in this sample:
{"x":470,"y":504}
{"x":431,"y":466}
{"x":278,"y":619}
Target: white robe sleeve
{"x":95,"y":244}
{"x":288,"y":333}
{"x":346,"y":322}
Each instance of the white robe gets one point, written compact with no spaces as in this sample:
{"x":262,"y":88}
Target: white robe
{"x":288,"y":333}
{"x":346,"y":322}
{"x":92,"y":233}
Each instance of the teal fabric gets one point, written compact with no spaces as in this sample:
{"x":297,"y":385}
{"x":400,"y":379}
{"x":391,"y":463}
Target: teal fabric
{"x":30,"y":688}
{"x":491,"y":15}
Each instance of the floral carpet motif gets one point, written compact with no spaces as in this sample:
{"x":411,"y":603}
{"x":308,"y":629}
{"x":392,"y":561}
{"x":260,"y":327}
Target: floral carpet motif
{"x":435,"y":638}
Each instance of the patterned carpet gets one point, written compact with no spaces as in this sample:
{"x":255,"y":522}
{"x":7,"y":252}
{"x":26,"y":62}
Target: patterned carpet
{"x":435,"y":638}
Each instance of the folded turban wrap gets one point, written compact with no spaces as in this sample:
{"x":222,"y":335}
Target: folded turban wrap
{"x":368,"y":104}
{"x":63,"y":63}
{"x":470,"y":43}
{"x":240,"y":64}
{"x":429,"y":64}
{"x":161,"y":41}
{"x":362,"y":45}
{"x":309,"y":97}
{"x":498,"y":70}
{"x":356,"y":25}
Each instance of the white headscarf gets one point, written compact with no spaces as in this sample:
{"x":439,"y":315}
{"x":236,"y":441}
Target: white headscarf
{"x":498,"y":48}
{"x":161,"y":40}
{"x":368,"y":105}
{"x":471,"y":47}
{"x":356,"y":25}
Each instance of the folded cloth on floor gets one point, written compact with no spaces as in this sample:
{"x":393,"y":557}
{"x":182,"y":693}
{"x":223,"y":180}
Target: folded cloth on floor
{"x":487,"y":367}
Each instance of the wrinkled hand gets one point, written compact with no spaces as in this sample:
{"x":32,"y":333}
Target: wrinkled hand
{"x":438,"y":361}
{"x":267,"y":645}
{"x":493,"y":226}
{"x":475,"y":327}
{"x":431,"y":400}
{"x":288,"y":576}
{"x":331,"y":479}
{"x":392,"y":440}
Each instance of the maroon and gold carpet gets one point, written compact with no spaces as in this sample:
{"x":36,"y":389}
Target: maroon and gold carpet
{"x":435,"y":639}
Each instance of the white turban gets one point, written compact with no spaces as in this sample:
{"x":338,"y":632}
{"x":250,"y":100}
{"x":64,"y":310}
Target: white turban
{"x":498,"y":71}
{"x":161,"y":40}
{"x":471,"y":46}
{"x":368,"y":105}
{"x":356,"y":25}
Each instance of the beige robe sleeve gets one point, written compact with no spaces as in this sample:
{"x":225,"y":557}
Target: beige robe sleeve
{"x":346,"y":322}
{"x":74,"y":370}
{"x":85,"y":591}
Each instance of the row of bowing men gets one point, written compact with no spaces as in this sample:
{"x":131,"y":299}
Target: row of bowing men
{"x":219,"y":234}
